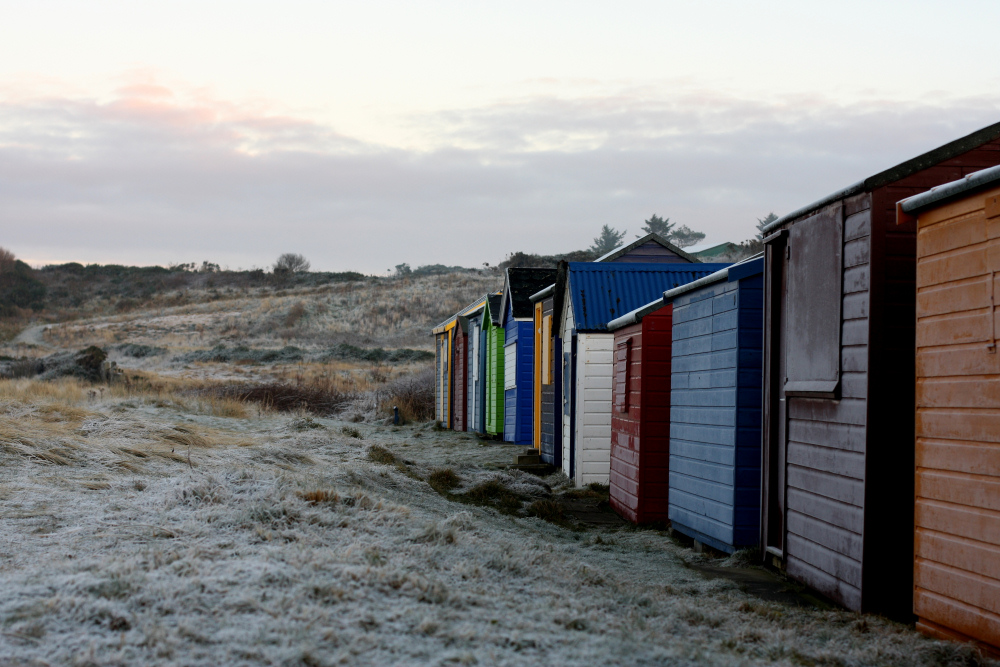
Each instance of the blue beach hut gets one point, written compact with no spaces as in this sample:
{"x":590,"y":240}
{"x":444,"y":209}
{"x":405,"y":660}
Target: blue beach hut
{"x":519,"y":350}
{"x":715,"y":406}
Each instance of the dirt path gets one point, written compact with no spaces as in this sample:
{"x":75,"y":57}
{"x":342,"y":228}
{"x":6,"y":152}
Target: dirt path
{"x":33,"y":335}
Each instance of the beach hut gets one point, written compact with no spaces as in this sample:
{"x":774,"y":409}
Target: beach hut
{"x":475,"y":374}
{"x":547,"y":435}
{"x":594,"y":294}
{"x":442,"y":374}
{"x":640,"y":413}
{"x":715,"y":407}
{"x":839,"y":313}
{"x":445,"y":382}
{"x":519,"y":350}
{"x":956,"y":588}
{"x":493,"y":360}
{"x":548,"y":378}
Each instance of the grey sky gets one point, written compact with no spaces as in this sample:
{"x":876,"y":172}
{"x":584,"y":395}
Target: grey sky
{"x":369,"y":152}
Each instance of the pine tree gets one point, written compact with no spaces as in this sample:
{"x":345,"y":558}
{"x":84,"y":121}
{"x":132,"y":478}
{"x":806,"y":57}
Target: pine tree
{"x":657,"y":225}
{"x":607,"y":240}
{"x":764,"y":222}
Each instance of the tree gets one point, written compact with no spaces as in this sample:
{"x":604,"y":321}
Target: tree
{"x":657,"y":225}
{"x":291,"y":262}
{"x":684,"y":236}
{"x":607,"y":240}
{"x":764,"y":222}
{"x":403,"y":270}
{"x":19,"y":289}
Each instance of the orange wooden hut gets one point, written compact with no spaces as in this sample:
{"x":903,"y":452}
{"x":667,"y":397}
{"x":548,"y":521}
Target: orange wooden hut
{"x":956,"y":586}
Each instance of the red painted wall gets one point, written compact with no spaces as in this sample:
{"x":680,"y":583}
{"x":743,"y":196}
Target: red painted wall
{"x":640,"y":419}
{"x":458,"y":377}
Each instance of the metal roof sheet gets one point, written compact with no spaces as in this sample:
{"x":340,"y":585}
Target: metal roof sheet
{"x":742,"y":269}
{"x":600,"y":292}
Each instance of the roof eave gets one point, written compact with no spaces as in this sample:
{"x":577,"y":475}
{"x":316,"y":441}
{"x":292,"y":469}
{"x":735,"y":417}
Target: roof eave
{"x":900,"y":171}
{"x":974,"y":181}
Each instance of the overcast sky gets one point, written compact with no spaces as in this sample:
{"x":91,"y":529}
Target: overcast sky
{"x":366,"y":134}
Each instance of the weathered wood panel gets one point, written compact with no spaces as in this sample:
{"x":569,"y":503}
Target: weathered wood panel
{"x":650,"y":252}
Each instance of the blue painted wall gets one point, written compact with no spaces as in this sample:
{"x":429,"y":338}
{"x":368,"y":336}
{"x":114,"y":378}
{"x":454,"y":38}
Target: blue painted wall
{"x":715,"y":413}
{"x":519,"y":402}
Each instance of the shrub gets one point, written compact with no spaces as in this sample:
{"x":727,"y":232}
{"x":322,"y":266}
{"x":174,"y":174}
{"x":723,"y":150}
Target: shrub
{"x":494,"y":494}
{"x":379,"y":454}
{"x":139,"y":351}
{"x":548,"y":510}
{"x":319,"y":399}
{"x":444,"y":480}
{"x":413,"y":395}
{"x":295,"y":313}
{"x":244,"y":354}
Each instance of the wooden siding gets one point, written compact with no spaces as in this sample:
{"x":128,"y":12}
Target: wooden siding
{"x":568,"y":334}
{"x":519,"y":360}
{"x":473,"y":398}
{"x":640,"y":420}
{"x":825,"y":440}
{"x":441,"y":385}
{"x":592,"y":419}
{"x":840,"y":535}
{"x":715,"y":414}
{"x":957,"y":485}
{"x":551,"y":398}
{"x":651,"y":251}
{"x":459,"y":379}
{"x":537,"y":322}
{"x":494,"y":380}
{"x":478,"y":369}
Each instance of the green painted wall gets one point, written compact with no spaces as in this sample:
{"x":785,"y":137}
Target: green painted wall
{"x":494,"y":376}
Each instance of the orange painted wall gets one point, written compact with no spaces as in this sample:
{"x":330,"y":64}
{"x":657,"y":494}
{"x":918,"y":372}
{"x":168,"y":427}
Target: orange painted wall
{"x":957,"y":542}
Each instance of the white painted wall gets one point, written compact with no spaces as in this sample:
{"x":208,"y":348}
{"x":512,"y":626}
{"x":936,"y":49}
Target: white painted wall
{"x":594,"y":394}
{"x":510,"y":366}
{"x":566,"y":325}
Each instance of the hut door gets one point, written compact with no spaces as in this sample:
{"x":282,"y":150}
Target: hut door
{"x":775,"y":403}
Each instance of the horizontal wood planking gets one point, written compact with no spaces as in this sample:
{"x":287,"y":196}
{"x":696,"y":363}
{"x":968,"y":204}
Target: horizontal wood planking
{"x":827,"y":440}
{"x":715,"y":413}
{"x":957,"y":509}
{"x":593,"y":408}
{"x":459,"y":380}
{"x":640,"y":435}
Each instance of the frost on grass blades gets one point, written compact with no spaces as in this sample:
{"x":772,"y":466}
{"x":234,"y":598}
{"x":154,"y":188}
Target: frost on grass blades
{"x":163,"y":518}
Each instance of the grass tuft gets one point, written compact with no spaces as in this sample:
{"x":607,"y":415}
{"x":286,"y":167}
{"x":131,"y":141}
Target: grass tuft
{"x":444,"y":480}
{"x":381,"y":455}
{"x":493,"y":494}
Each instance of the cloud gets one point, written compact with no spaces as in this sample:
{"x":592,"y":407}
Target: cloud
{"x":152,"y":175}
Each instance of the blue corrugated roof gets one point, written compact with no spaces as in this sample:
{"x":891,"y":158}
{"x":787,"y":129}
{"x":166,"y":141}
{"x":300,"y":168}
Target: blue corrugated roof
{"x":600,"y":292}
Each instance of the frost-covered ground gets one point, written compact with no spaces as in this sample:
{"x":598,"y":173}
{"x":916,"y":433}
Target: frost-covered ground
{"x":145,"y":532}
